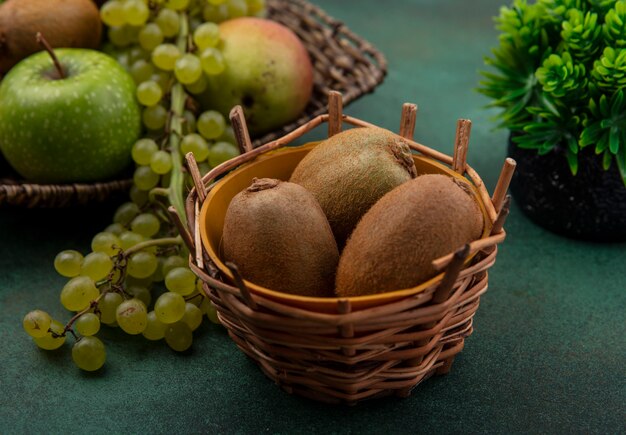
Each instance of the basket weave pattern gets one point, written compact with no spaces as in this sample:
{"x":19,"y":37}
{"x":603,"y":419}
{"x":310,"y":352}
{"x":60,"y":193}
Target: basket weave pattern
{"x":341,"y":61}
{"x":354,"y":353}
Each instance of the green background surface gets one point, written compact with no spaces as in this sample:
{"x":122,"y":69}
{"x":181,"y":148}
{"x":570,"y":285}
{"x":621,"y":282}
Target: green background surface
{"x":547,"y":354}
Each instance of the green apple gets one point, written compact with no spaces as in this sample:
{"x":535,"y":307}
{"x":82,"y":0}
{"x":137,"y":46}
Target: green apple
{"x":268,"y":72}
{"x":78,"y":128}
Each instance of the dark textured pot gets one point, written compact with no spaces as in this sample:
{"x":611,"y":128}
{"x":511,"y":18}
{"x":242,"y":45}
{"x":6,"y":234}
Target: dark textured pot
{"x":589,"y":206}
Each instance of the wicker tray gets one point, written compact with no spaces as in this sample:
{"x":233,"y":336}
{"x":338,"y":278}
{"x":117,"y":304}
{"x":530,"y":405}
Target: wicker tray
{"x":342,"y":61}
{"x":343,"y":350}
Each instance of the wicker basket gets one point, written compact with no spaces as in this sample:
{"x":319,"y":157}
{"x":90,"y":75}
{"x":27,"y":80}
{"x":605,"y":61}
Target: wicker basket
{"x":341,"y":60}
{"x":343,"y":349}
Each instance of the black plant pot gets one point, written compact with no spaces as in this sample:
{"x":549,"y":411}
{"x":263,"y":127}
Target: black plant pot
{"x":588,"y":206}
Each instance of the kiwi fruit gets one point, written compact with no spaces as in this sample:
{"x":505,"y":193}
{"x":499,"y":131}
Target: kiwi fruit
{"x":277,"y":235}
{"x":351,"y":170}
{"x":394,"y":244}
{"x":64,"y":23}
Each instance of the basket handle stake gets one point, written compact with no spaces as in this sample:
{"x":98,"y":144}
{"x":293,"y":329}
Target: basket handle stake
{"x":502,"y":215}
{"x":452,"y":273}
{"x":181,"y":228}
{"x":245,"y":293}
{"x":240,"y":128}
{"x":407,"y":120}
{"x":461,"y":143}
{"x":335,"y":113}
{"x":346,"y":331}
{"x":503,"y":183}
{"x":192,"y":167}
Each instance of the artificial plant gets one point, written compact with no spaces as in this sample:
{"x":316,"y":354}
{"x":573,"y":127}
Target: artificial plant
{"x":559,"y":75}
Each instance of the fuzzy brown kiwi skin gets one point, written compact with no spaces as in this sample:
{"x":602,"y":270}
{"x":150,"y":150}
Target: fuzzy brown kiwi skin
{"x":350,"y":171}
{"x":64,"y":23}
{"x":278,"y":236}
{"x":394,"y":244}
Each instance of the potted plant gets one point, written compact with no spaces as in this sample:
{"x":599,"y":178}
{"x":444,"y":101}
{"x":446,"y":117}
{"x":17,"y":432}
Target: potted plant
{"x":559,"y":74}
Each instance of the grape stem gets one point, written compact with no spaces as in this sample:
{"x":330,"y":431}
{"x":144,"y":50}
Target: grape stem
{"x":155,"y":242}
{"x":175,"y":129}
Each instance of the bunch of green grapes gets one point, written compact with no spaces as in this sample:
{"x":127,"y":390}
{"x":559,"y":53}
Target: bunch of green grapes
{"x":136,"y":276}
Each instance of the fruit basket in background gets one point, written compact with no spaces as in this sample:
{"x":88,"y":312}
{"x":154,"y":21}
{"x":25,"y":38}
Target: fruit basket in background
{"x":343,"y":350}
{"x":341,"y":60}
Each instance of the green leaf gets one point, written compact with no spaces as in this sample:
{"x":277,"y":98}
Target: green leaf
{"x":606,"y":160}
{"x":572,"y":160}
{"x":614,"y":140}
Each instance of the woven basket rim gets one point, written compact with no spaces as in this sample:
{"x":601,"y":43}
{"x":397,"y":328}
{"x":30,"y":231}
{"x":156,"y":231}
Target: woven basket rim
{"x":332,"y":36}
{"x":201,"y":262}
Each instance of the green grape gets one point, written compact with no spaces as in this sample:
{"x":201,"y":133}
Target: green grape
{"x":199,"y":86}
{"x":204,"y":302}
{"x":136,"y":12}
{"x":173,"y":262}
{"x":212,"y":61}
{"x":177,"y":5}
{"x":155,"y":329}
{"x":216,"y":2}
{"x":154,"y":117}
{"x":122,"y":36}
{"x":89,"y":354}
{"x":149,"y":93}
{"x":193,"y":316}
{"x":138,"y":196}
{"x":180,"y":280}
{"x":141,"y":70}
{"x":142,"y":151}
{"x":112,"y":13}
{"x":137,"y":53}
{"x":129,"y":239}
{"x":108,"y":306}
{"x":164,"y":56}
{"x":146,"y":224}
{"x":169,"y":307}
{"x":131,"y":281}
{"x":189,"y":124}
{"x":78,"y":293}
{"x":48,"y":341}
{"x":211,"y":313}
{"x":204,"y":168}
{"x":132,"y":316}
{"x":141,"y":293}
{"x":178,"y":336}
{"x":105,"y":242}
{"x":215,"y":13}
{"x":211,"y":124}
{"x":87,"y":324}
{"x":163,"y":79}
{"x":145,"y":178}
{"x":168,"y":21}
{"x":36,"y":323}
{"x":158,"y":276}
{"x":188,"y":68}
{"x":256,"y":7}
{"x":194,"y":143}
{"x":150,"y":36}
{"x":237,"y":8}
{"x":161,"y":162}
{"x":67,"y":263}
{"x":222,"y":152}
{"x":228,"y":135}
{"x":142,"y":264}
{"x":206,"y":35}
{"x":125,"y":213}
{"x":116,"y":228}
{"x":96,"y":266}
